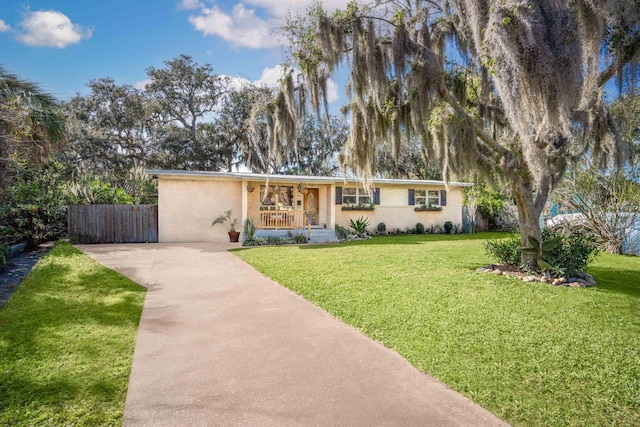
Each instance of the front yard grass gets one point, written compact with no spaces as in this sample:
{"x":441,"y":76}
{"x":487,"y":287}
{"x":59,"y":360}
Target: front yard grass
{"x":66,"y":343}
{"x":533,"y":354}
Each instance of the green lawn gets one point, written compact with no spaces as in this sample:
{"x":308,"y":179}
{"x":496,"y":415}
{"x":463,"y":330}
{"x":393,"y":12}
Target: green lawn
{"x":66,"y":343}
{"x":533,"y":354}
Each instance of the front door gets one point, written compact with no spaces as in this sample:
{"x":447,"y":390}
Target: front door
{"x":311,"y":205}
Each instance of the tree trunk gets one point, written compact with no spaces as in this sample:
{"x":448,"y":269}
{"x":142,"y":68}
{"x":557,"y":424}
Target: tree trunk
{"x":528,"y":216}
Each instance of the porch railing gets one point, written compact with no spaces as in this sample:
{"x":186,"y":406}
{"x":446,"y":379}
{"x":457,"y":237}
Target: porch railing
{"x":278,"y":219}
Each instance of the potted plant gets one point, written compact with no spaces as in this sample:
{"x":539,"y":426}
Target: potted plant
{"x":234,"y":235}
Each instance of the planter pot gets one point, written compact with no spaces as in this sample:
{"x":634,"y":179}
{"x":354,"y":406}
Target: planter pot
{"x":358,"y":208}
{"x":427,"y":209}
{"x":234,"y":236}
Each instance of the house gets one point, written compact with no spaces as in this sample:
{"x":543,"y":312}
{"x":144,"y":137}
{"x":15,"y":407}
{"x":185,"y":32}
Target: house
{"x":188,"y":201}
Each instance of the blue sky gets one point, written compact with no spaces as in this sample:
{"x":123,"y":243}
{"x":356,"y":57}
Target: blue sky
{"x":63,"y":44}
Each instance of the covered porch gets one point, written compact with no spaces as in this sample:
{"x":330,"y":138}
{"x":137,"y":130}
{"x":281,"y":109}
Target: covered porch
{"x":286,"y":204}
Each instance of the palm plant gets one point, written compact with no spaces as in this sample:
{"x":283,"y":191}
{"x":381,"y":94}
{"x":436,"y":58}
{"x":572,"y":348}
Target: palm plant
{"x":31,"y":123}
{"x":226,"y":217}
{"x":359,"y":225}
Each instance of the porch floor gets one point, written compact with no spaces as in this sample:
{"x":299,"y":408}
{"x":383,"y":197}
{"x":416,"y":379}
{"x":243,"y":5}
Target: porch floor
{"x":318,"y":234}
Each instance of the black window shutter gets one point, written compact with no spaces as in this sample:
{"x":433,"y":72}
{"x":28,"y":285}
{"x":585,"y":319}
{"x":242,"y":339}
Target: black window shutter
{"x":412,"y":197}
{"x":376,"y":196}
{"x":443,"y":197}
{"x":338,"y":195}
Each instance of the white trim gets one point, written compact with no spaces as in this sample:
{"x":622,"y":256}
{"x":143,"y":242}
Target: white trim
{"x":426,"y":197}
{"x":190,"y":175}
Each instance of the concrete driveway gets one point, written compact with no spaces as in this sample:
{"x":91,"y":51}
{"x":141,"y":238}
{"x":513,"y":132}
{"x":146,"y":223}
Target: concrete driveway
{"x":220,"y":344}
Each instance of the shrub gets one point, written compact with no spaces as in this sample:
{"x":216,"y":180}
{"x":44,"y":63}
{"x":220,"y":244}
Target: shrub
{"x":249,"y":232}
{"x":506,"y":251}
{"x":577,"y":248}
{"x":448,"y":226}
{"x":342,"y":232}
{"x":382,"y":227}
{"x":34,"y":204}
{"x":419,"y":228}
{"x":359,"y":225}
{"x":299,"y":238}
{"x":273,"y":240}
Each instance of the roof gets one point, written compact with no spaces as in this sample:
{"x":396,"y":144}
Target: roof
{"x":181,"y":174}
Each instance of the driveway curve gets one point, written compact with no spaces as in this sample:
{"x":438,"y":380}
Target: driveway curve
{"x":220,"y":344}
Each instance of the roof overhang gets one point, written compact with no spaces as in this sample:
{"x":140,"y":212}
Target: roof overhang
{"x":306,"y":179}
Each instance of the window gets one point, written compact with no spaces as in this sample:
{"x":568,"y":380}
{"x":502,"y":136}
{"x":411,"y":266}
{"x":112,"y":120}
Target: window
{"x":355,"y":196}
{"x":427,"y":197}
{"x":276,"y":197}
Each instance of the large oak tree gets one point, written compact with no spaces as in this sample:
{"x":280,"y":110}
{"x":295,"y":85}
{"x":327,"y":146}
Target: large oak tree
{"x":510,"y":89}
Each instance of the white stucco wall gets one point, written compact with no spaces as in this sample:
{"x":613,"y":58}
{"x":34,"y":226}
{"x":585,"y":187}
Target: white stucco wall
{"x":394,"y":209}
{"x":186,"y":208}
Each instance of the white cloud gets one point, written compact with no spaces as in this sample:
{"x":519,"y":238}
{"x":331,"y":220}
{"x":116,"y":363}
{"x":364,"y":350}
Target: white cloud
{"x":270,"y":76}
{"x":4,"y":27}
{"x":142,"y":85}
{"x":237,"y":83}
{"x":243,"y":26}
{"x":51,"y":29}
{"x":280,"y":8}
{"x":190,"y":4}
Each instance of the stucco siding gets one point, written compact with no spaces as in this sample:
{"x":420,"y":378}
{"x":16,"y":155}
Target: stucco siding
{"x":186,"y":209}
{"x":188,"y":204}
{"x":394,"y":210}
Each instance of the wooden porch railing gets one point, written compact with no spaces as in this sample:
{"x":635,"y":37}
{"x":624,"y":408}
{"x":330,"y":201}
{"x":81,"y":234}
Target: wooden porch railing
{"x":278,"y":219}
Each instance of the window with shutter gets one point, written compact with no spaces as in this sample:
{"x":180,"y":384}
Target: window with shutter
{"x":427,"y":198}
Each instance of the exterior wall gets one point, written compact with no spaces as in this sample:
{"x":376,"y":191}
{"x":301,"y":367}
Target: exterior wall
{"x":394,"y":209}
{"x":187,"y":207}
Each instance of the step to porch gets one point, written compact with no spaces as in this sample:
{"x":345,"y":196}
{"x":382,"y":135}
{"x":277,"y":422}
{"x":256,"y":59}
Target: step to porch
{"x":318,"y":235}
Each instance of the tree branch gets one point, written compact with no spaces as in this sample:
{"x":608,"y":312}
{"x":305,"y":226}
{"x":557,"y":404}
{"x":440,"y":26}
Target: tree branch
{"x":484,"y":136}
{"x":629,"y":52}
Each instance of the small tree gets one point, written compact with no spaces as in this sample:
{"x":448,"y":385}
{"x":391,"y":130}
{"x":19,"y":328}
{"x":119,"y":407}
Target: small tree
{"x":609,"y":205}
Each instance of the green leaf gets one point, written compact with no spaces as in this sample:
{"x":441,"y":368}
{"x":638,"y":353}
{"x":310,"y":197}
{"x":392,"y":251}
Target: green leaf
{"x":545,"y":266}
{"x":534,"y":242}
{"x":528,"y":251}
{"x":550,"y":245}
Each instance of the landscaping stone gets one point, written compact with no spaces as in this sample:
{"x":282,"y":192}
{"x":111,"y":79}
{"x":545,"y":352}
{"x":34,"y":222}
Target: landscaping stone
{"x":582,"y":280}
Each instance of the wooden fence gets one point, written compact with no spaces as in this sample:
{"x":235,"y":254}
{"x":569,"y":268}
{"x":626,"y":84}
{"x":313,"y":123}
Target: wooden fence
{"x":113,"y":223}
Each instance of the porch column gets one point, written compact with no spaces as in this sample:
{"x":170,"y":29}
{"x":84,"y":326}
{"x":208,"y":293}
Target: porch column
{"x":331,"y":223}
{"x":245,"y":203}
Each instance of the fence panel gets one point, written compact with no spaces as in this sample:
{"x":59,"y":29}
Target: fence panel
{"x":113,"y":223}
